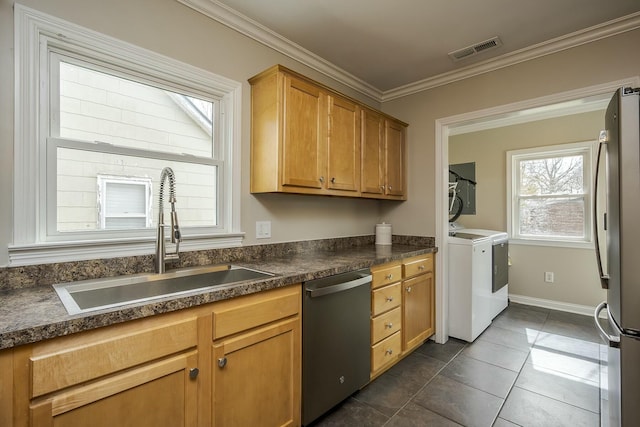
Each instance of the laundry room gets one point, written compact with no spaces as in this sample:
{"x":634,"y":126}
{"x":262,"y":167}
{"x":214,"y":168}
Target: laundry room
{"x":525,"y":175}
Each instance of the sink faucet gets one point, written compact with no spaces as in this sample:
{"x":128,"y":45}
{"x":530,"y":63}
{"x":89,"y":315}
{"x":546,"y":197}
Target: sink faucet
{"x":161,"y":253}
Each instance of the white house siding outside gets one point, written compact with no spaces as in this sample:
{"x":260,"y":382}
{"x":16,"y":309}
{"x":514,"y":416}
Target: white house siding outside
{"x":98,"y":107}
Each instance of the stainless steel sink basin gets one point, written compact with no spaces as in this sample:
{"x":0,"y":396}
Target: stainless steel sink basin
{"x":89,"y":295}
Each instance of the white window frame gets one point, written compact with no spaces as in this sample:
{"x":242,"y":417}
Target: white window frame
{"x":37,"y":34}
{"x":103,"y":184}
{"x":585,"y":149}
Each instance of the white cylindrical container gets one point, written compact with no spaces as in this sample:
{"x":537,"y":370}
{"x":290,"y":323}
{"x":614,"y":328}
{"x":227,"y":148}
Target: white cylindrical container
{"x":383,"y":234}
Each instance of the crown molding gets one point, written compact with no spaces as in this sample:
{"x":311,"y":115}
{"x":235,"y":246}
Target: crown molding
{"x":558,"y":44}
{"x":258,"y":32}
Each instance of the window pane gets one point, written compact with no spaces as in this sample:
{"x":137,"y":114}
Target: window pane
{"x":554,"y":175}
{"x":95,"y":106}
{"x":77,"y":199}
{"x":557,"y":217}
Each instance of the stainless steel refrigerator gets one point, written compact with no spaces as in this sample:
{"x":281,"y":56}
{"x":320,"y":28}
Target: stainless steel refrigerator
{"x":617,"y":224}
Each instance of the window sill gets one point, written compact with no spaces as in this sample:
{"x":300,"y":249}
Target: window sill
{"x":45,"y":253}
{"x":552,"y":243}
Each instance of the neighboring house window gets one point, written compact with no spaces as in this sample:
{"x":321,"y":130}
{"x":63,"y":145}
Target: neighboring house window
{"x":124,"y":202}
{"x":550,"y":193}
{"x":106,"y":108}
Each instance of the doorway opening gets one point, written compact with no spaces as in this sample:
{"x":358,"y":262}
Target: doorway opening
{"x":534,"y":109}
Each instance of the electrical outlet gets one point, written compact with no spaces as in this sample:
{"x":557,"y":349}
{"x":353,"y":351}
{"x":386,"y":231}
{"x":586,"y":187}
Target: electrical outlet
{"x":548,"y":276}
{"x":263,"y":229}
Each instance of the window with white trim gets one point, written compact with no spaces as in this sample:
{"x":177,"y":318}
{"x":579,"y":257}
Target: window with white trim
{"x":110,"y":109}
{"x":550,"y":191}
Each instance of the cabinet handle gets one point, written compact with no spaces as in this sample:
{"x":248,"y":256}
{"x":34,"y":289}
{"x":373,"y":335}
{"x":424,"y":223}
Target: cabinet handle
{"x":389,"y":325}
{"x":389,"y":299}
{"x":409,"y":289}
{"x":421,"y":267}
{"x":321,"y":179}
{"x":222,"y":362}
{"x":389,"y":187}
{"x":193,"y":373}
{"x":333,"y":180}
{"x":382,"y":187}
{"x":388,"y":276}
{"x":389,"y":352}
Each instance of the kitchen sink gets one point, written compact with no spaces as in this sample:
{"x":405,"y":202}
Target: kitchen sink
{"x":97,"y":294}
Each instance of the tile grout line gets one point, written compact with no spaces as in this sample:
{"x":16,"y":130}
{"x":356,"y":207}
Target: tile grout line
{"x":425,"y":385}
{"x":516,"y":379}
{"x":539,"y":394}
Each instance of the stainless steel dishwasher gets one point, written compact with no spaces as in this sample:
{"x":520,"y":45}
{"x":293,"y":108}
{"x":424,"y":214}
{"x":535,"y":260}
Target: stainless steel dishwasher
{"x":336,"y":340}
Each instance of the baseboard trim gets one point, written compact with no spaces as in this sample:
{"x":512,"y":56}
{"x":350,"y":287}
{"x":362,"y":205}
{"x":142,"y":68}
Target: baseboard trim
{"x":553,"y":305}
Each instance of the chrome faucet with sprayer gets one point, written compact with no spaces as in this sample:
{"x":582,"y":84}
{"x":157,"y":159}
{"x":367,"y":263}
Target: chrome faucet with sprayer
{"x":161,"y":253}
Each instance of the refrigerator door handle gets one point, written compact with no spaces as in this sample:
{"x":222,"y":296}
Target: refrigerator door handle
{"x":602,"y":141}
{"x":611,"y":340}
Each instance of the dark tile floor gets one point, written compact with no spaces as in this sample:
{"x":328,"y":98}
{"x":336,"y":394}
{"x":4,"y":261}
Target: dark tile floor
{"x":531,"y":367}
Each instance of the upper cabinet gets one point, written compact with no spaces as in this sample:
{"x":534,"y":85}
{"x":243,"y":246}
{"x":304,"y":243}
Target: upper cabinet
{"x":383,"y":157}
{"x":309,"y":139}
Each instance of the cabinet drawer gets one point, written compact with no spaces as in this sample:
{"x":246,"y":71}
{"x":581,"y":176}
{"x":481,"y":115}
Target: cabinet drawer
{"x":386,"y":351}
{"x":384,"y":299}
{"x":243,"y":313}
{"x":72,"y":360}
{"x":385,"y":275}
{"x":417,"y":265}
{"x":386,"y":324}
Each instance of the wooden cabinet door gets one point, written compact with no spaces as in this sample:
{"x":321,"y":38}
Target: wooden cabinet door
{"x":157,"y":394}
{"x":417,"y":306}
{"x":343,"y":147}
{"x":256,"y":377}
{"x":394,"y":159}
{"x":372,"y":140}
{"x":304,"y":146}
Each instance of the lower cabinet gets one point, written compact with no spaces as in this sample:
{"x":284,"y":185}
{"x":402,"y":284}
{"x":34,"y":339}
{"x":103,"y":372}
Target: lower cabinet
{"x":256,"y":377}
{"x":139,"y":373}
{"x":230,"y":363}
{"x":257,"y":371}
{"x":402,"y":309}
{"x":157,"y":394}
{"x":417,"y":310}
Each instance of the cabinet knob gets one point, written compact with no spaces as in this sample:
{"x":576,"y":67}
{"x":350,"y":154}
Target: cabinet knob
{"x":321,"y":179}
{"x":389,"y":299}
{"x":333,"y":180}
{"x":389,"y":325}
{"x":389,"y":187}
{"x":389,"y":352}
{"x":222,"y":362}
{"x":421,"y":267}
{"x":389,"y":276}
{"x":193,"y":373}
{"x":409,"y":289}
{"x":382,"y":187}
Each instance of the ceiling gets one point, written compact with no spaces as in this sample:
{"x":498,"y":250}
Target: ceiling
{"x":385,"y":45}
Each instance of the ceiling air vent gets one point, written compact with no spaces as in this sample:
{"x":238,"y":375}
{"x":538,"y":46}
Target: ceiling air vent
{"x":468,"y":51}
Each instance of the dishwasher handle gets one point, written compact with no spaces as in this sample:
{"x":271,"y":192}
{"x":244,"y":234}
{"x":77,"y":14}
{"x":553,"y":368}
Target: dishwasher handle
{"x":315,"y":292}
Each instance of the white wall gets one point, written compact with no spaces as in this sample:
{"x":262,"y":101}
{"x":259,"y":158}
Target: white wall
{"x":488,"y":150}
{"x":174,"y":30}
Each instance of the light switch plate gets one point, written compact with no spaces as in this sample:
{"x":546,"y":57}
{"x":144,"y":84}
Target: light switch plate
{"x":263,"y":229}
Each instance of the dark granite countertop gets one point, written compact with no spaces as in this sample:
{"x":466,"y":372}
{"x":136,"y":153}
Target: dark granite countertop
{"x":36,"y":313}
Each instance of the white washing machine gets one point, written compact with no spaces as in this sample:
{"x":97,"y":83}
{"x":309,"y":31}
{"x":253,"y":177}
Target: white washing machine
{"x":478,"y":279}
{"x":499,"y":267}
{"x":470,"y":306}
